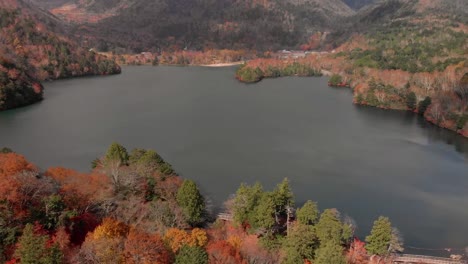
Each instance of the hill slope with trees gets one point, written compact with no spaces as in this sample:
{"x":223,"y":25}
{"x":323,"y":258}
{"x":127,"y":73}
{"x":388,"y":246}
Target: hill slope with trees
{"x":31,"y":52}
{"x":133,"y":208}
{"x":232,"y":24}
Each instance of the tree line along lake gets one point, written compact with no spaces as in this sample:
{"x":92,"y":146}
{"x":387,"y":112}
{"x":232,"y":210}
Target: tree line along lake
{"x":219,"y":132}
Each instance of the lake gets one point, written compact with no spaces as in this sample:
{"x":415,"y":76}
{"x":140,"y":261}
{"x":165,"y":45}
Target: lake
{"x":364,"y":161}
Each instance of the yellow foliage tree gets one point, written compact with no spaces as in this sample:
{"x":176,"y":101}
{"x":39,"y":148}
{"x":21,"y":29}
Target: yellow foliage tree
{"x":177,"y":238}
{"x":198,"y":237}
{"x":234,"y":241}
{"x":110,"y":228}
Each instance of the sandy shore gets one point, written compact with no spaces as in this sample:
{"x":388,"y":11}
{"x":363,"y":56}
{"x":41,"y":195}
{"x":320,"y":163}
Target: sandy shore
{"x":223,"y":64}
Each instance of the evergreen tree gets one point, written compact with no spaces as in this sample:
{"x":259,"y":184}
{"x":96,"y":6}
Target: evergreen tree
{"x":292,"y":257}
{"x":308,"y":214}
{"x":411,"y":101}
{"x":378,"y":241}
{"x":330,"y":253}
{"x":5,"y":150}
{"x":424,"y":104}
{"x":191,"y":255}
{"x":283,"y":197}
{"x":301,"y":240}
{"x":245,"y":201}
{"x":117,"y":153}
{"x":329,"y":227}
{"x":32,"y":248}
{"x":54,"y":256}
{"x":264,"y":212}
{"x":191,"y":201}
{"x":54,"y":207}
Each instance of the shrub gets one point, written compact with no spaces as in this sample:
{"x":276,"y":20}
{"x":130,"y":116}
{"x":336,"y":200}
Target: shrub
{"x":411,"y":101}
{"x":424,"y":104}
{"x":335,"y":79}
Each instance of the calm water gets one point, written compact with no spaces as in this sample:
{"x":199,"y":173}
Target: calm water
{"x":364,"y":161}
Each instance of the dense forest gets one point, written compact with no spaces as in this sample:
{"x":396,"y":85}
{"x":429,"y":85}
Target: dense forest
{"x":135,"y":26}
{"x":133,"y":208}
{"x":31,"y":53}
{"x":405,"y":55}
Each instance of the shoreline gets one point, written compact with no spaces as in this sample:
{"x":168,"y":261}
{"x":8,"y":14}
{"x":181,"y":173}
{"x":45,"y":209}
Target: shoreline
{"x":218,"y":65}
{"x":461,"y":132}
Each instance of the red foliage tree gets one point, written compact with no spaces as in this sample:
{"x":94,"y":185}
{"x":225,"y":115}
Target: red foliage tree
{"x":221,"y":252}
{"x":80,"y":226}
{"x":20,"y":184}
{"x":357,"y":253}
{"x":79,"y":190}
{"x":142,"y":247}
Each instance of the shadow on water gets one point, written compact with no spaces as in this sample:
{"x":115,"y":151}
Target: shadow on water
{"x":433,"y":133}
{"x":438,"y":134}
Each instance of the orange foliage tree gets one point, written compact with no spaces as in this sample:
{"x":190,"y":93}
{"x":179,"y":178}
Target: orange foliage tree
{"x":222,"y":252}
{"x":80,"y":191}
{"x":20,"y":184}
{"x":105,"y":244}
{"x":145,"y":248}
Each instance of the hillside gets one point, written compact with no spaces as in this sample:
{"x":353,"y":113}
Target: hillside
{"x":199,"y":24}
{"x":397,"y":54}
{"x":31,"y":52}
{"x":133,"y":208}
{"x":357,"y":4}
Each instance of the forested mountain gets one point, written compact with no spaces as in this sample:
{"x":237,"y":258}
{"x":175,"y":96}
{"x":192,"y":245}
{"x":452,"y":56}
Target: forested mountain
{"x":398,"y":54}
{"x":197,"y":24}
{"x":30,"y":52}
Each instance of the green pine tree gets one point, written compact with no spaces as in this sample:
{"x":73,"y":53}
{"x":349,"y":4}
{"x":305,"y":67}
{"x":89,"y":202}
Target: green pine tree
{"x":378,"y":241}
{"x":329,"y":227}
{"x":192,"y":202}
{"x":301,"y":240}
{"x":308,"y":214}
{"x":117,"y":153}
{"x":264,"y":212}
{"x":283,"y":197}
{"x":245,"y":201}
{"x":330,"y":253}
{"x":191,"y":255}
{"x":411,"y":101}
{"x":32,"y":249}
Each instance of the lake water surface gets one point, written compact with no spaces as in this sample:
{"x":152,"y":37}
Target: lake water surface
{"x":364,"y":161}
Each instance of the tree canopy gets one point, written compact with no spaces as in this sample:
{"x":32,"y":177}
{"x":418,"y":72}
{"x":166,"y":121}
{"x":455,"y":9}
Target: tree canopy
{"x":191,"y":201}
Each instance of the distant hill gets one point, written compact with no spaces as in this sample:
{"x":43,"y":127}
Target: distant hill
{"x":197,"y":24}
{"x":412,"y":35}
{"x":382,"y":12}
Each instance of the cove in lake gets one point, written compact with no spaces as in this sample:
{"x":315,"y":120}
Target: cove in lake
{"x":364,"y":161}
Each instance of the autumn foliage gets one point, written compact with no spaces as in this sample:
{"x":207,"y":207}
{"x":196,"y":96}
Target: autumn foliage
{"x":141,"y":247}
{"x":222,"y":252}
{"x":177,"y":238}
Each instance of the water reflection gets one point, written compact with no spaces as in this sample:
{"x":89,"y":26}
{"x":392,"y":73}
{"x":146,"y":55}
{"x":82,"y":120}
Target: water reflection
{"x":432,"y":133}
